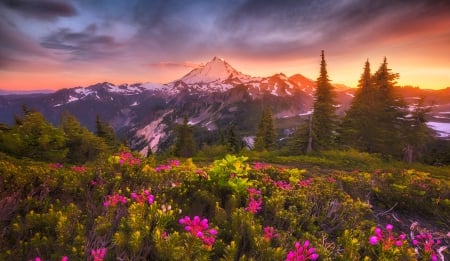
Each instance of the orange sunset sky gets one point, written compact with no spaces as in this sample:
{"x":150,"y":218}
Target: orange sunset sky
{"x":52,"y":44}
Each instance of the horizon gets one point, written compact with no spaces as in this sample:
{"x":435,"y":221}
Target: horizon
{"x":55,"y":45}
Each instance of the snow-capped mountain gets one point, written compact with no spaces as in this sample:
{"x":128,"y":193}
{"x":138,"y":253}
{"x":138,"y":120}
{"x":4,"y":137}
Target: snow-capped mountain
{"x":213,"y":96}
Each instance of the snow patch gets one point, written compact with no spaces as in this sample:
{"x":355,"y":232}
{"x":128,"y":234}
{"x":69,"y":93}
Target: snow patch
{"x":442,"y":128}
{"x":153,"y":133}
{"x":306,"y":113}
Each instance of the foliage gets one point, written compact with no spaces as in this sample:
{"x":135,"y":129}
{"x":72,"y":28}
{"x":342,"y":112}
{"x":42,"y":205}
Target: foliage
{"x":265,"y":135}
{"x":128,"y":207}
{"x":184,"y":143}
{"x":323,"y":117}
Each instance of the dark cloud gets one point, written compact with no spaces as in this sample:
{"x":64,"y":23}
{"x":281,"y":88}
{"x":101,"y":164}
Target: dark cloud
{"x":84,"y":45}
{"x":42,"y":9}
{"x":15,"y":46}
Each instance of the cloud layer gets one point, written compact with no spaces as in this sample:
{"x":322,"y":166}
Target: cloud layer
{"x":143,"y":35}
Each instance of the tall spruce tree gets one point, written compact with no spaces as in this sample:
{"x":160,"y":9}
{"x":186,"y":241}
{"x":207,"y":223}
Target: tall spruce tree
{"x":265,"y":135}
{"x":323,"y":123}
{"x":389,"y":113}
{"x":358,"y":126}
{"x":184,"y":142}
{"x":106,"y":131}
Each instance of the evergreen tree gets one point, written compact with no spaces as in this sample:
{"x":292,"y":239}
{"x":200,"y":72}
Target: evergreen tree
{"x":323,"y":118}
{"x":265,"y":135}
{"x":234,"y":142}
{"x":359,"y":125}
{"x":106,"y":131}
{"x":82,"y":144}
{"x":389,"y":113}
{"x":416,"y":133}
{"x":184,"y":142}
{"x":37,"y":139}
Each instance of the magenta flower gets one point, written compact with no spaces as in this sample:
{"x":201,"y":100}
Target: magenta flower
{"x":98,"y":254}
{"x":305,"y":183}
{"x":64,"y":258}
{"x":255,"y":200}
{"x":173,"y":163}
{"x":79,"y":169}
{"x":269,"y":233}
{"x":302,"y":252}
{"x":145,"y":196}
{"x":200,"y":229}
{"x":427,"y":245}
{"x":260,"y":166}
{"x":126,"y":158}
{"x":114,"y":200}
{"x":387,"y":240}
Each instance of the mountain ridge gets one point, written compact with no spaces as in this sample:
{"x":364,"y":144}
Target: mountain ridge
{"x":212,"y":96}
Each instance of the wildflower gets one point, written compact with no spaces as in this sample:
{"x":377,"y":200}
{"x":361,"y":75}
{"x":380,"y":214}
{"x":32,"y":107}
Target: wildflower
{"x":143,"y":197}
{"x":269,"y":233}
{"x":200,"y":229}
{"x":255,"y":200}
{"x":283,"y":185}
{"x":56,"y":165}
{"x":173,"y":163}
{"x":98,"y":254}
{"x":126,"y":158}
{"x":387,"y":241}
{"x":113,"y":200}
{"x":305,"y":183}
{"x":427,"y":244}
{"x":302,"y":252}
{"x":162,"y":168}
{"x":79,"y":169}
{"x":64,"y":258}
{"x":260,"y":166}
{"x":201,"y":173}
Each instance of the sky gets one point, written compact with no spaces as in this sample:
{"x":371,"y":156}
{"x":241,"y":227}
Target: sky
{"x":54,"y":44}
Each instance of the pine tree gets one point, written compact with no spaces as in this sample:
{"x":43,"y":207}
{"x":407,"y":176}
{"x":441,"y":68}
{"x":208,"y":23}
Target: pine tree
{"x":82,"y":144}
{"x":323,"y":118}
{"x":265,"y":135}
{"x":359,"y":125}
{"x":106,"y":131}
{"x":416,"y":133}
{"x":234,"y":142}
{"x":184,"y":143}
{"x":389,"y":113}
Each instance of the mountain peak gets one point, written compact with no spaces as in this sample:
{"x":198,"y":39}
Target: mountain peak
{"x":215,"y":71}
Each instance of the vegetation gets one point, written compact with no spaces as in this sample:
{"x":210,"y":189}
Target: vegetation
{"x":265,"y":135}
{"x":321,"y":135}
{"x":67,"y":194}
{"x":127,"y":207}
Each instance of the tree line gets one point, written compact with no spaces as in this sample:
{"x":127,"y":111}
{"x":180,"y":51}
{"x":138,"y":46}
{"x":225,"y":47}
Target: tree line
{"x":378,"y":121}
{"x":32,"y":136}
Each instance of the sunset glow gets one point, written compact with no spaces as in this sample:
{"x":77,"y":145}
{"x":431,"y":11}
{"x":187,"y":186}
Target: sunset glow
{"x":62,"y":44}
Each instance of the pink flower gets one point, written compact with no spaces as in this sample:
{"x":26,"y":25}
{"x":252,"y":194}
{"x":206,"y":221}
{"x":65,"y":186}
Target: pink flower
{"x":114,"y":200}
{"x":305,"y":183}
{"x":269,"y":233}
{"x":373,"y":240}
{"x":145,"y":196}
{"x":79,"y":169}
{"x":98,"y":254}
{"x":387,"y":240}
{"x":64,"y":258}
{"x":302,"y":252}
{"x":260,"y":166}
{"x":200,"y":229}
